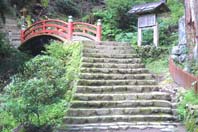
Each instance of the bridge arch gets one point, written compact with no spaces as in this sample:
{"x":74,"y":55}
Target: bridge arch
{"x":62,"y":30}
{"x":37,"y":43}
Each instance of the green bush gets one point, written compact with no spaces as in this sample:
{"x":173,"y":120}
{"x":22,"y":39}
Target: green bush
{"x":41,"y":84}
{"x":11,"y":60}
{"x":187,"y":98}
{"x":40,"y":94}
{"x":189,"y":118}
{"x":124,"y":37}
{"x":67,"y":7}
{"x":152,"y":52}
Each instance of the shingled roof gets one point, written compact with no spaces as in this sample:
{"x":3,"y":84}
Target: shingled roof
{"x":153,"y":7}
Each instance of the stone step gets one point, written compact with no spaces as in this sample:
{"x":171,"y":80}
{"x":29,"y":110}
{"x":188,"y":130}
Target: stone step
{"x":119,"y":111}
{"x":117,"y":89}
{"x":17,"y":33}
{"x":114,"y":70}
{"x":112,"y":65}
{"x":106,"y":43}
{"x":118,"y":56}
{"x":11,"y":20}
{"x":118,"y":118}
{"x":103,"y":51}
{"x":14,"y":26}
{"x":115,"y":76}
{"x":118,"y":126}
{"x":111,"y":60}
{"x":122,"y":96}
{"x":122,"y":104}
{"x":85,"y":82}
{"x":15,"y":39}
{"x":104,"y":47}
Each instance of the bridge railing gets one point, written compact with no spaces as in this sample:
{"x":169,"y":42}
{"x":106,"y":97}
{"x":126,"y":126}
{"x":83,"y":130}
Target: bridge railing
{"x":51,"y":26}
{"x":65,"y":30}
{"x":182,"y":77}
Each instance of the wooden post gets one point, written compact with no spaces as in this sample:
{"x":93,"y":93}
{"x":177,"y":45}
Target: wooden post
{"x":156,"y":35}
{"x":70,"y":28}
{"x":23,"y":27}
{"x":99,"y":30}
{"x":139,"y":36}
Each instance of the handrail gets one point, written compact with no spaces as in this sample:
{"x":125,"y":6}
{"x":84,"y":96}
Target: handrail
{"x":63,"y":29}
{"x":182,"y":77}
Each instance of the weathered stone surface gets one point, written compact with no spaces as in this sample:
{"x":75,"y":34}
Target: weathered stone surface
{"x":116,"y":91}
{"x":182,"y":31}
{"x":111,"y":60}
{"x":114,"y":70}
{"x":113,"y":65}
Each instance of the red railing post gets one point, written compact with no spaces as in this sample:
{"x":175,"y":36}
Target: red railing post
{"x":23,"y":27}
{"x":99,"y":30}
{"x":22,"y":35}
{"x":44,"y":26}
{"x":70,"y":28}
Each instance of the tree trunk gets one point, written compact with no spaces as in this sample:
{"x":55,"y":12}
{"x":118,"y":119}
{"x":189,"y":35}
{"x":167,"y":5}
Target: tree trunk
{"x":191,"y":9}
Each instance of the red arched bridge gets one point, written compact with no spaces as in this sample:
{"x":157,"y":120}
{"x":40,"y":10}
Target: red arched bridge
{"x":62,"y":30}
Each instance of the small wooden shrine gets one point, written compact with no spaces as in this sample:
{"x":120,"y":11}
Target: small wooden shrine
{"x":147,"y":18}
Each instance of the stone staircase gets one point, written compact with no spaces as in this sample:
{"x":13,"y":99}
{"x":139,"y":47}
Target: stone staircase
{"x":116,"y":92}
{"x":12,"y":31}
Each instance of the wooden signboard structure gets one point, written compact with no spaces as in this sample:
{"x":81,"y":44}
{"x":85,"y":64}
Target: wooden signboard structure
{"x":147,"y":18}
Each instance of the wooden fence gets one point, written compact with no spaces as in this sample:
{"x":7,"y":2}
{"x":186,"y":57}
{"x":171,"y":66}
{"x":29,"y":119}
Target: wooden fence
{"x":182,"y":77}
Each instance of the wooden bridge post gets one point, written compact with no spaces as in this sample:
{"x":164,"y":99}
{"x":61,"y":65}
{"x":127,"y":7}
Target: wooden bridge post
{"x":99,"y":30}
{"x":23,"y":27}
{"x":70,"y":28}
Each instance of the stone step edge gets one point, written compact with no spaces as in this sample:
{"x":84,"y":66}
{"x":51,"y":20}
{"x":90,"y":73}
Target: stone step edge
{"x":104,"y":64}
{"x":127,"y":123}
{"x":110,"y":55}
{"x":137,"y":108}
{"x":118,"y":127}
{"x":153,"y":93}
{"x":127,"y":101}
{"x":122,"y":116}
{"x":95,"y":58}
{"x":114,"y":74}
{"x":124,"y":86}
{"x":118,"y":69}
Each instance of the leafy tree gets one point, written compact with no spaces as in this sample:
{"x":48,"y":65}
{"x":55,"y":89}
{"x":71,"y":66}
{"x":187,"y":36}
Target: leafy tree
{"x":40,"y":94}
{"x":3,"y":9}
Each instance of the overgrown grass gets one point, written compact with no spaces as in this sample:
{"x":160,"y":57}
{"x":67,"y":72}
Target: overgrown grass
{"x":158,"y":66}
{"x":154,"y":58}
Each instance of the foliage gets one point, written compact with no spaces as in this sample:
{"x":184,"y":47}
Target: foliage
{"x":45,"y":3}
{"x":67,"y":7}
{"x":151,"y":52}
{"x":7,"y":121}
{"x":117,"y":22}
{"x":157,"y":66}
{"x":155,"y":58}
{"x":3,"y":9}
{"x":194,"y":68}
{"x":124,"y":37}
{"x":11,"y":60}
{"x":190,"y":119}
{"x":40,"y":94}
{"x":41,"y":83}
